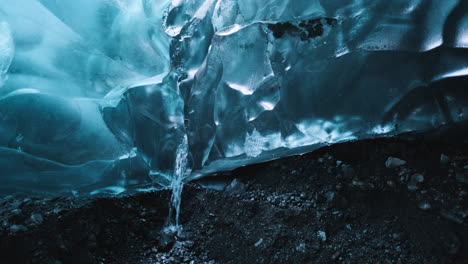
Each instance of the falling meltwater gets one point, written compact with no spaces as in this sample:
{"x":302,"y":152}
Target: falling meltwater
{"x":181,"y":171}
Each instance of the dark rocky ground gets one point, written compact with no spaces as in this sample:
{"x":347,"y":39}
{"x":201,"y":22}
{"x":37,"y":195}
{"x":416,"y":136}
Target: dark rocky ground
{"x":340,"y":204}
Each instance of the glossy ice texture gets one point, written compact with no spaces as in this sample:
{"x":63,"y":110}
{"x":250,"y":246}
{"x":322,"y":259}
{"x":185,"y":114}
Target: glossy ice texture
{"x":98,"y":95}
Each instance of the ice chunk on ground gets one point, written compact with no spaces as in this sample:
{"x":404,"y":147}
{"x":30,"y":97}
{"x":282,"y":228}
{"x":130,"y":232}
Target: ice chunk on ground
{"x":393,"y":162}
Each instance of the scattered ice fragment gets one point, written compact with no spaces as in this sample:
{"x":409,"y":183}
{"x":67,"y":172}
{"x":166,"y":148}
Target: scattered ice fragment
{"x":397,"y":236}
{"x":394,"y":162}
{"x":301,"y":248}
{"x":16,"y":211}
{"x":58,"y":210}
{"x":236,"y":187}
{"x":330,"y":196}
{"x":322,"y":235}
{"x":259,"y":242}
{"x":18,"y":228}
{"x":417,"y":178}
{"x":444,"y":159}
{"x":415,"y":181}
{"x":358,"y":183}
{"x":425,"y":205}
{"x":37,"y":219}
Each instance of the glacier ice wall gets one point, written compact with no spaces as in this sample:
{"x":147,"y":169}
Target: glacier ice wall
{"x":97,"y":95}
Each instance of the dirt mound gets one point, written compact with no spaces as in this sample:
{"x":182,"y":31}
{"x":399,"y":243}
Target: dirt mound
{"x":372,"y":201}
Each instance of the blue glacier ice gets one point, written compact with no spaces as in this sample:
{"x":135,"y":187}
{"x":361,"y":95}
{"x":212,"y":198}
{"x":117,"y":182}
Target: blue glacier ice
{"x":102,"y":96}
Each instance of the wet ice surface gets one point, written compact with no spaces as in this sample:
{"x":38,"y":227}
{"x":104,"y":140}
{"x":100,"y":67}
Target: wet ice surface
{"x":96,"y":96}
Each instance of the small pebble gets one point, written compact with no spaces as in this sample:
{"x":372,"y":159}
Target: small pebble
{"x":17,"y":211}
{"x":18,"y":228}
{"x":417,"y":178}
{"x":396,"y":236}
{"x":358,"y":183}
{"x":444,"y":159}
{"x":37,"y":219}
{"x":330,"y":196}
{"x":394,"y":162}
{"x":415,"y":181}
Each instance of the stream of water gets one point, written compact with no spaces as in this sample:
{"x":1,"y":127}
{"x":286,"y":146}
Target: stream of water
{"x":181,"y":170}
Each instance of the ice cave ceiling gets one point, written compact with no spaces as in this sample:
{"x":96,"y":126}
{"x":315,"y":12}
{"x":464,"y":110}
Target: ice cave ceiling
{"x":97,"y":95}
